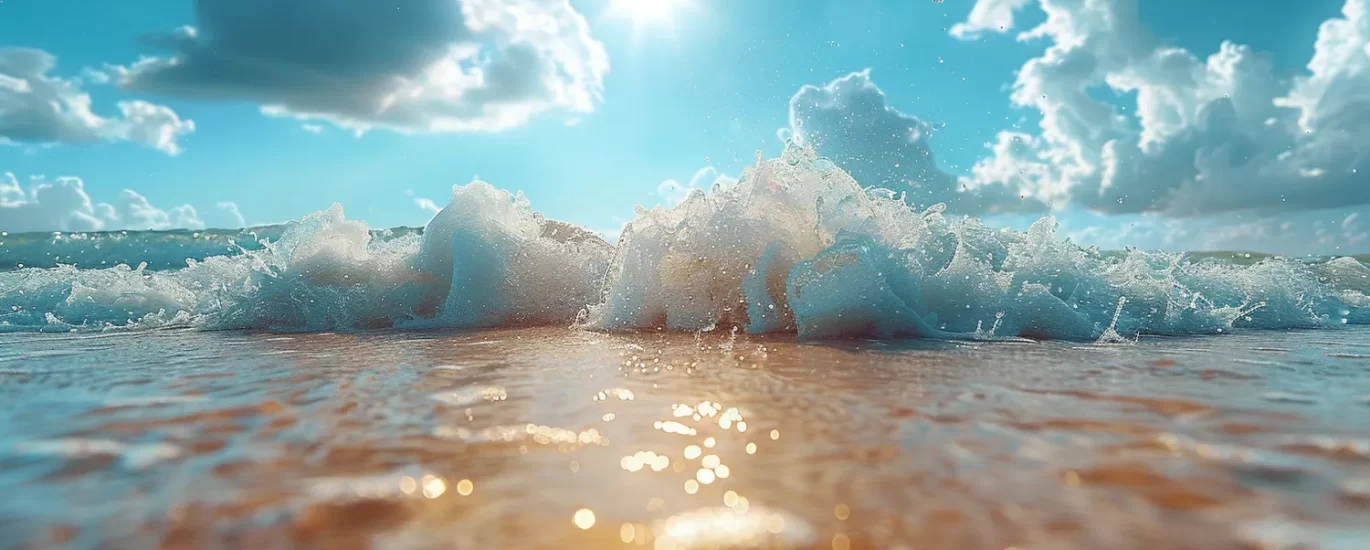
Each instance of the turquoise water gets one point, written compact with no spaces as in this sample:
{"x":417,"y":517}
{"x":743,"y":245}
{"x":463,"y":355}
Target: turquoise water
{"x":796,"y":246}
{"x":793,"y":361}
{"x":499,"y":438}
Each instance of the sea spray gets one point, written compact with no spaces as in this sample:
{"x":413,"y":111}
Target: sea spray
{"x":795,"y":245}
{"x":491,"y":261}
{"x":488,"y":260}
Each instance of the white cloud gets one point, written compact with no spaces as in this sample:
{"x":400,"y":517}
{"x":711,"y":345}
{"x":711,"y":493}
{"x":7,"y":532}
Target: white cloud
{"x":988,"y":15}
{"x":133,"y":211}
{"x":231,"y":216}
{"x":427,"y":205}
{"x":704,"y":179}
{"x":850,"y":121}
{"x":1294,"y":233}
{"x":1336,"y":96}
{"x":57,"y":205}
{"x":1194,"y":153}
{"x":312,"y":128}
{"x":424,"y":203}
{"x":1213,"y":135}
{"x":408,"y":65}
{"x":61,"y":204}
{"x":39,"y":108}
{"x":156,"y":126}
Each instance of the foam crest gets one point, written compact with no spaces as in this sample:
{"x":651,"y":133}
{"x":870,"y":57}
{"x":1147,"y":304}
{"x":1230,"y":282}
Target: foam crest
{"x":795,"y":245}
{"x":799,"y":245}
{"x":493,"y":261}
{"x":486,"y":260}
{"x":160,"y":250}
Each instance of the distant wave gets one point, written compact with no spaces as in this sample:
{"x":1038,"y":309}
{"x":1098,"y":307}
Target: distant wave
{"x":159,"y":250}
{"x":796,"y":245}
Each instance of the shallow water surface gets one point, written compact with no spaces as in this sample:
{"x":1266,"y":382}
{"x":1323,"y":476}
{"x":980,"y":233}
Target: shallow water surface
{"x":557,"y":438}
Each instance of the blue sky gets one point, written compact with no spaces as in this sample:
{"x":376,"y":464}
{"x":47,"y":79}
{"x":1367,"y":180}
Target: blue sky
{"x":707,"y":85}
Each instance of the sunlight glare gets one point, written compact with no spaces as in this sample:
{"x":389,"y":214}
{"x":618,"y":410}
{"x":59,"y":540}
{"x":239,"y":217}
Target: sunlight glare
{"x":647,"y":11}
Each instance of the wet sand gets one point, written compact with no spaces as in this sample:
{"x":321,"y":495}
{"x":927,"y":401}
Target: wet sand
{"x":556,"y":438}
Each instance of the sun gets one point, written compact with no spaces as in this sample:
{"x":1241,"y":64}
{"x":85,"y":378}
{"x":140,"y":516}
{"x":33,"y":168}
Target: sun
{"x":643,"y":12}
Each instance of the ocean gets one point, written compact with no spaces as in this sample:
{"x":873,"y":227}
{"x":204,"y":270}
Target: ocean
{"x":793,"y":361}
{"x":500,"y":438}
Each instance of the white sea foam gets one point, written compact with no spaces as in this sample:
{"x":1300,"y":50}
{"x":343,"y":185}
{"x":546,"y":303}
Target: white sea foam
{"x":135,"y":456}
{"x":486,"y":260}
{"x":795,"y":245}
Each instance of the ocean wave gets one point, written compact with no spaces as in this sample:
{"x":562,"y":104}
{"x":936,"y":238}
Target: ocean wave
{"x":795,"y":245}
{"x":160,"y":250}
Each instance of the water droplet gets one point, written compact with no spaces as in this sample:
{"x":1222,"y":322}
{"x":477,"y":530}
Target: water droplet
{"x":824,"y":166}
{"x":584,"y":518}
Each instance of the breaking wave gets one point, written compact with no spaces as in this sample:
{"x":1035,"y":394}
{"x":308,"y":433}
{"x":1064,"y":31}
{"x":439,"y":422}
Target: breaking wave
{"x":796,"y":245}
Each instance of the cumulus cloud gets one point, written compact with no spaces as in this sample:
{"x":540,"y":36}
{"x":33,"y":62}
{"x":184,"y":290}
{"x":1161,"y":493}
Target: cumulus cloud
{"x":57,"y":205}
{"x":38,"y":107}
{"x":408,"y":65}
{"x":427,"y":205}
{"x":987,"y":15}
{"x":61,"y":204}
{"x":850,"y":121}
{"x":1207,"y":135}
{"x":1294,"y":233}
{"x":673,"y":192}
{"x":229,"y":215}
{"x":133,"y":211}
